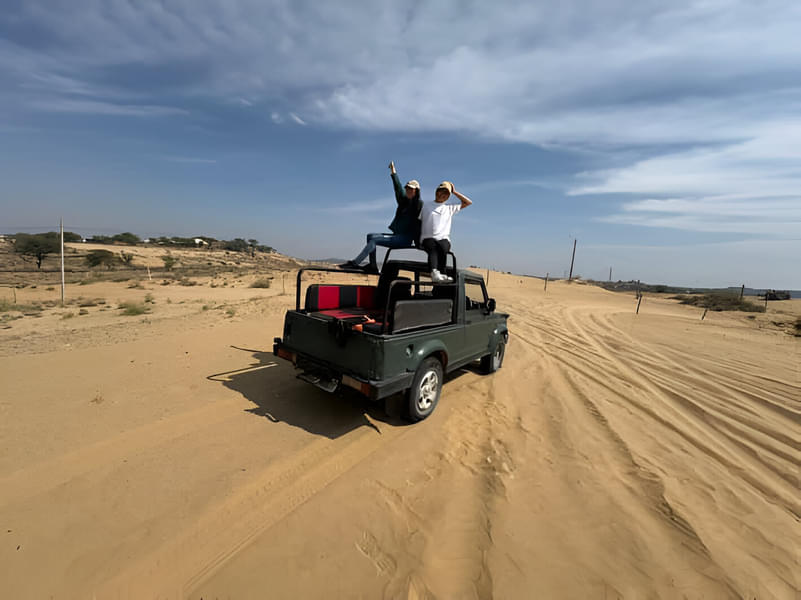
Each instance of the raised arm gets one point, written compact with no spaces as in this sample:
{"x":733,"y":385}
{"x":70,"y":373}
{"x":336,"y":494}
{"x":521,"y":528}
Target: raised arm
{"x":400,"y":193}
{"x":465,"y":200}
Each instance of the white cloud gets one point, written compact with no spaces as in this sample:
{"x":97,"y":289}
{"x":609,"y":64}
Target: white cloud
{"x":68,"y":105}
{"x":748,"y":187}
{"x":720,"y":77}
{"x":588,"y":73}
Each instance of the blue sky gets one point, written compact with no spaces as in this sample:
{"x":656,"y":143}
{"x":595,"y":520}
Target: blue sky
{"x":665,"y":137}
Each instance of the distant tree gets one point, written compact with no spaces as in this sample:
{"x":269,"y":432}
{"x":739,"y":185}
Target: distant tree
{"x":169,"y":261}
{"x":253,"y":242}
{"x":237,"y":245}
{"x":126,"y":257}
{"x":126,"y":238}
{"x":107,"y":258}
{"x":71,"y":237}
{"x":101,"y":239}
{"x":37,"y":245}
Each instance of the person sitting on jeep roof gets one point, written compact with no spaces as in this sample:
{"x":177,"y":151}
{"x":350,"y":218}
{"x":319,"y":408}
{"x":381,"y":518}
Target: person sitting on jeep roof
{"x":405,"y":227}
{"x":435,"y":230}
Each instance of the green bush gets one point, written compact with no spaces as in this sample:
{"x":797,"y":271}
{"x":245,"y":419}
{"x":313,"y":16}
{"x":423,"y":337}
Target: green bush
{"x":720,"y":302}
{"x":95,"y":258}
{"x":126,"y":238}
{"x":169,"y":261}
{"x":236,"y":245}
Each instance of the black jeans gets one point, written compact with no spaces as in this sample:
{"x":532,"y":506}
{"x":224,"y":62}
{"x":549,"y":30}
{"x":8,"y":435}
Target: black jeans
{"x":437,"y":253}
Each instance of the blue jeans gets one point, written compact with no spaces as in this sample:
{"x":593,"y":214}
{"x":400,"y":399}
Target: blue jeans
{"x":386,"y":240}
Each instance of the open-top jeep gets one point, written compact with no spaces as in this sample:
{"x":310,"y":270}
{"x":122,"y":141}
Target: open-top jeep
{"x":401,"y":335}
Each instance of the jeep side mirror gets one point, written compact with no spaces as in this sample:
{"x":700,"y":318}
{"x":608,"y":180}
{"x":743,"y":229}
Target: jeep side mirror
{"x":491,"y":305}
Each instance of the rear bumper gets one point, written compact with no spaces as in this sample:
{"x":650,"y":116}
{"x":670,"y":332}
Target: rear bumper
{"x":324,"y":375}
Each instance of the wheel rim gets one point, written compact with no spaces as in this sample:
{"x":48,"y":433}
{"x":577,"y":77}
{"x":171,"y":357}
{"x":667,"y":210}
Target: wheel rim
{"x":428,"y":391}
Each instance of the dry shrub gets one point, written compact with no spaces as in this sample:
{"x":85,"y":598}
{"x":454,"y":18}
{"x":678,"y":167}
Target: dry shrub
{"x":132,"y":309}
{"x":262,"y":282}
{"x":719,"y":302}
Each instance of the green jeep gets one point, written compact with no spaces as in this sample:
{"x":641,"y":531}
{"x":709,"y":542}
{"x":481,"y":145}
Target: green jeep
{"x":402,"y":335}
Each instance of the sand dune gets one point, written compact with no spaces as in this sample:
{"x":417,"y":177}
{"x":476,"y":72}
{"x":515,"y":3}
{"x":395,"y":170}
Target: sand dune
{"x":614,"y":456}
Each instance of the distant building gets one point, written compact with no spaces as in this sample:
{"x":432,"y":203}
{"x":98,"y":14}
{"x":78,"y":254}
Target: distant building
{"x":201,"y":242}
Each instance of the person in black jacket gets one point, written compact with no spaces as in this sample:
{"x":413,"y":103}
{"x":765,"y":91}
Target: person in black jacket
{"x":405,"y":227}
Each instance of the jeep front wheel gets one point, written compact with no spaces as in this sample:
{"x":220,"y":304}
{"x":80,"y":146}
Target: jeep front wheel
{"x":426,"y":389}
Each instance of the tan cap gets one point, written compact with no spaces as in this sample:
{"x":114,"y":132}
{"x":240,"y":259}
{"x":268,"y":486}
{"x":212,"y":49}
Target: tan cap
{"x":446,"y":185}
{"x":413,"y":183}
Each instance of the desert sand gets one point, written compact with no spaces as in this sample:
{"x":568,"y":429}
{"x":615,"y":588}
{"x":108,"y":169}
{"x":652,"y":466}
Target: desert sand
{"x":170,"y":455}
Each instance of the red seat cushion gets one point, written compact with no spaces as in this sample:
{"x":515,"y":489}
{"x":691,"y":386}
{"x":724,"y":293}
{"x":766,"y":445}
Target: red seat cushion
{"x":327,"y":297}
{"x":321,"y":297}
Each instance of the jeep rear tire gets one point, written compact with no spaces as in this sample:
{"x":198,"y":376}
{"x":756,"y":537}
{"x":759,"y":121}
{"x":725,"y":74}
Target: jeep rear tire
{"x":426,"y":389}
{"x":492,"y":362}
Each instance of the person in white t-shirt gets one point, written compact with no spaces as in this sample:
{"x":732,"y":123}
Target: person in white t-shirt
{"x":435,"y":228}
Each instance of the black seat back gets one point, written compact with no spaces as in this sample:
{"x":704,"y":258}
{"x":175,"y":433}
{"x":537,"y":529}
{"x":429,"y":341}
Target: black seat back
{"x":413,"y":314}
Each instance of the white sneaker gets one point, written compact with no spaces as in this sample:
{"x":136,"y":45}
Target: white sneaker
{"x":447,"y":278}
{"x":436,"y":276}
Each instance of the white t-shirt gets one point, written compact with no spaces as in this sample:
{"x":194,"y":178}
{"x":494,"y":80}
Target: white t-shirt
{"x":436,"y":220}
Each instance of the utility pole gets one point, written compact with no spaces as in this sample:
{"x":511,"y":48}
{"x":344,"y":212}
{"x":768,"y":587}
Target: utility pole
{"x":610,"y":274}
{"x":61,"y":229}
{"x":570,"y":278}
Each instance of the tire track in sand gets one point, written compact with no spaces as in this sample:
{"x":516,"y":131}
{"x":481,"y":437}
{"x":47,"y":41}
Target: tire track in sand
{"x":180,"y":565}
{"x":723,"y":415}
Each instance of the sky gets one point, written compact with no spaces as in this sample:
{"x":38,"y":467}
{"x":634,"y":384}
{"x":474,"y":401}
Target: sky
{"x":665,"y":137}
